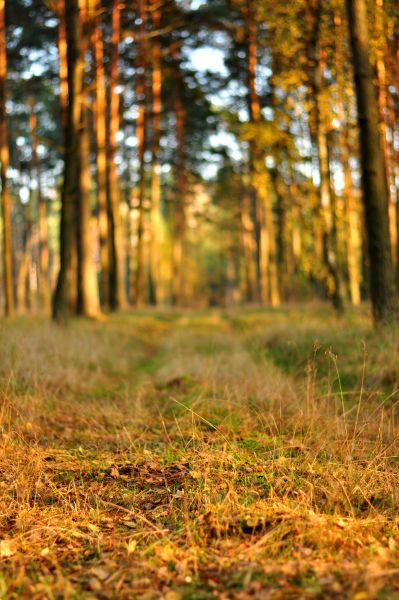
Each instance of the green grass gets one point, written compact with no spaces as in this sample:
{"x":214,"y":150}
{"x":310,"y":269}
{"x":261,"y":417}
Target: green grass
{"x":238,"y":454}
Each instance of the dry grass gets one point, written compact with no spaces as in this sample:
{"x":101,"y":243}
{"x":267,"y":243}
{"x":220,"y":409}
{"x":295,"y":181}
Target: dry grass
{"x":251,"y":454}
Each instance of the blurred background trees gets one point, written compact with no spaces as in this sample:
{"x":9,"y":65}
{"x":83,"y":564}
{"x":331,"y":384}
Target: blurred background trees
{"x":168,"y":152}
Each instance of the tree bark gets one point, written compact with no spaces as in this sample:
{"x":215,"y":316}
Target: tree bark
{"x":101,"y":153}
{"x":327,"y":207}
{"x":256,"y":211}
{"x":375,"y":193}
{"x":351,"y":216}
{"x":156,"y":144}
{"x":250,"y":291}
{"x":142,"y":120}
{"x":44,"y":281}
{"x":4,"y":158}
{"x":117,"y":283}
{"x":75,"y":211}
{"x":178,"y":275}
{"x":266,"y":255}
{"x":64,"y":303}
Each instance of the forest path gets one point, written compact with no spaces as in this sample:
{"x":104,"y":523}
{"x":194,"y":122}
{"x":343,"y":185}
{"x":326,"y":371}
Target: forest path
{"x":195,"y":455}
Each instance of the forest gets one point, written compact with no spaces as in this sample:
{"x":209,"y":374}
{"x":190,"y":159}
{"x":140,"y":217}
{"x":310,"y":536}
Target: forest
{"x":199,"y":299}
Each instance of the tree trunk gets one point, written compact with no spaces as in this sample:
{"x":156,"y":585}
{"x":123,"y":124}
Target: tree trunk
{"x":76,"y":190}
{"x":156,"y":143}
{"x":382,"y":95}
{"x":64,"y":303}
{"x":101,"y":153}
{"x":141,"y":89}
{"x":256,"y":212}
{"x":178,"y":276}
{"x":266,"y":256}
{"x":44,"y":281}
{"x":88,"y":303}
{"x":351,"y":217}
{"x":23,"y":271}
{"x":63,"y":63}
{"x":4,"y":158}
{"x":375,"y":193}
{"x":327,"y":207}
{"x":250,"y":292}
{"x":117,"y":283}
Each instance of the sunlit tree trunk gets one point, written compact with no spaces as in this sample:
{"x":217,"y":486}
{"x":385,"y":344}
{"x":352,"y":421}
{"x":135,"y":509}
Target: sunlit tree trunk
{"x":64,"y":302}
{"x":266,"y":256}
{"x":256,"y":211}
{"x":178,"y":275}
{"x":156,"y":141}
{"x":101,"y":153}
{"x":44,"y":282}
{"x":327,"y":199}
{"x":375,"y":193}
{"x":351,"y":225}
{"x":250,"y":292}
{"x":88,"y":303}
{"x":4,"y":158}
{"x":283,"y":243}
{"x":65,"y":296}
{"x":22,"y":290}
{"x":76,"y":191}
{"x":382,"y":89}
{"x":63,"y":63}
{"x":395,"y":132}
{"x":117,"y":284}
{"x":142,"y":120}
{"x":88,"y":298}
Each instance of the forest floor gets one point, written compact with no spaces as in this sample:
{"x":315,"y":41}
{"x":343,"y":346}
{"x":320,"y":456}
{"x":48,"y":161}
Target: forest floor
{"x":193,"y":455}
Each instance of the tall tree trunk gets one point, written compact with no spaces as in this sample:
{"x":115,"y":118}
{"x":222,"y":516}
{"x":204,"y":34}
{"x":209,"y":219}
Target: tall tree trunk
{"x":63,"y":63}
{"x":4,"y":158}
{"x":382,"y":95}
{"x":256,"y":211}
{"x":76,"y":190}
{"x":375,"y":193}
{"x":101,"y":153}
{"x":117,"y":283}
{"x":88,"y":297}
{"x":22,"y":290}
{"x":156,"y":144}
{"x":351,"y":225}
{"x":266,"y":255}
{"x":64,"y":303}
{"x":282,"y":247}
{"x":139,"y":292}
{"x":178,"y":275}
{"x":88,"y":303}
{"x":250,"y":292}
{"x":327,"y":200}
{"x":44,"y":281}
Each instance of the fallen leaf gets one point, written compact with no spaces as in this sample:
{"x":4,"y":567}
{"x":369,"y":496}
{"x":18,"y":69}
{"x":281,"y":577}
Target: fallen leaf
{"x":101,"y":573}
{"x":114,"y":472}
{"x":95,"y":585}
{"x":341,"y":523}
{"x":7,"y":548}
{"x":131,"y":546}
{"x":172,"y":596}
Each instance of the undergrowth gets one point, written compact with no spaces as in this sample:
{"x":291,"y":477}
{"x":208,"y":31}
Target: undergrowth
{"x":236,"y":454}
